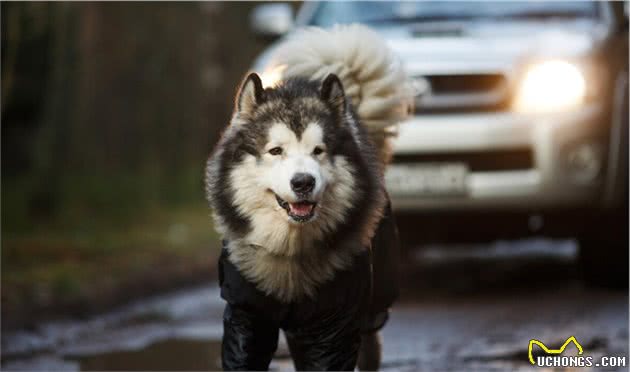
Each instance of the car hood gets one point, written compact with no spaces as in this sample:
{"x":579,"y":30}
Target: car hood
{"x":480,"y":46}
{"x":448,"y":47}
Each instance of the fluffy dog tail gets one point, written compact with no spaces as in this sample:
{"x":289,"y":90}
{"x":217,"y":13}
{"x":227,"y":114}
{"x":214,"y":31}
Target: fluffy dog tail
{"x":372,"y":76}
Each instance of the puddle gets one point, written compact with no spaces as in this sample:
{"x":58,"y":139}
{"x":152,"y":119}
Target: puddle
{"x":486,"y":325}
{"x":170,"y":355}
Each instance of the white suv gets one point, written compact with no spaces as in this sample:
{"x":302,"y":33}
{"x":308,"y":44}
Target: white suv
{"x":521,"y":122}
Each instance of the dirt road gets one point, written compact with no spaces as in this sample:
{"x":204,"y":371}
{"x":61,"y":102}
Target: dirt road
{"x":465,"y":308}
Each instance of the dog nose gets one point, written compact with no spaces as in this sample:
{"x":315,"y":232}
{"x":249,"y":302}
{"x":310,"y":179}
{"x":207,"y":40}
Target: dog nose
{"x":302,"y":183}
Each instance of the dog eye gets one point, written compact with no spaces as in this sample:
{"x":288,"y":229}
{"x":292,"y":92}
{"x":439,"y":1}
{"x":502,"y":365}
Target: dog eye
{"x":317,"y":151}
{"x":276,"y":151}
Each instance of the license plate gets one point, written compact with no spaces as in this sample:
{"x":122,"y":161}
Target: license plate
{"x":426,"y":179}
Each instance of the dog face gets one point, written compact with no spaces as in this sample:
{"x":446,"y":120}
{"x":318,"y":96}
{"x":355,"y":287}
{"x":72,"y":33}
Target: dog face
{"x":294,"y":168}
{"x":291,"y":166}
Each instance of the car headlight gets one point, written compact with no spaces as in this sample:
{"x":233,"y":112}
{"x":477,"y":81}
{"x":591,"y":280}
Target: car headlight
{"x":550,"y":86}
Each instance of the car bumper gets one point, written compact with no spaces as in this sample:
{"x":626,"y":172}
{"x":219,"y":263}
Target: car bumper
{"x":567,"y":150}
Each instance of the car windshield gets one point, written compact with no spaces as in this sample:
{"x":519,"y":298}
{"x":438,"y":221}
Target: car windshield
{"x":329,"y":13}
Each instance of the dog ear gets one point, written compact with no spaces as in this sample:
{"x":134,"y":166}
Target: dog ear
{"x":250,"y":95}
{"x":332,"y":92}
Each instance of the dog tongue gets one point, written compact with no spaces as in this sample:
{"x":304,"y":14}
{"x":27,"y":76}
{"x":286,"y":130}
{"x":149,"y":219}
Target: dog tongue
{"x":301,"y":209}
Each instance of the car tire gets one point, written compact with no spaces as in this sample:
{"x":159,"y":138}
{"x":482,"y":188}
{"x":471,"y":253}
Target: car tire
{"x":603,"y":252}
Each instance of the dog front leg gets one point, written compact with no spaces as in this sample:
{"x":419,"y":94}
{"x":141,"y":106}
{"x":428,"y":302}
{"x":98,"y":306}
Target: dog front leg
{"x":249,"y":340}
{"x":331,"y":344}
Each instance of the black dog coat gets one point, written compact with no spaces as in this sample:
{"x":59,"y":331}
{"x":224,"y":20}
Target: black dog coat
{"x":323,"y":333}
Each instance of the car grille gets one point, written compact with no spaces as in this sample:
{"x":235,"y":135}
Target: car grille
{"x":477,"y":161}
{"x":463,"y":93}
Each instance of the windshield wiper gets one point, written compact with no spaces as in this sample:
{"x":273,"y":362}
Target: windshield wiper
{"x":422,"y":18}
{"x":534,"y":14}
{"x":545,"y":14}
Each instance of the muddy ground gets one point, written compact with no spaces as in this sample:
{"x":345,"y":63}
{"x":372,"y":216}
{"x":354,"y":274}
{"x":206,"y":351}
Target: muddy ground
{"x":462,"y":308}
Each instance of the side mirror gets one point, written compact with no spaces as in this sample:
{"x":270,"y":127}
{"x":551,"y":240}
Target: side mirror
{"x":271,"y":20}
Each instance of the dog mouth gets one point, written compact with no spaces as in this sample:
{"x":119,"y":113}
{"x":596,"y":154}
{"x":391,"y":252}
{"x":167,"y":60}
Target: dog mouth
{"x":301,"y":211}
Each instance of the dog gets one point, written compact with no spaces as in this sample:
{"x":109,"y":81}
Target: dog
{"x":296,"y":188}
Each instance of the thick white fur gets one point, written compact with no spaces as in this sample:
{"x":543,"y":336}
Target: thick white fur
{"x":279,"y":254}
{"x":372,"y":76}
{"x":255,"y":183}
